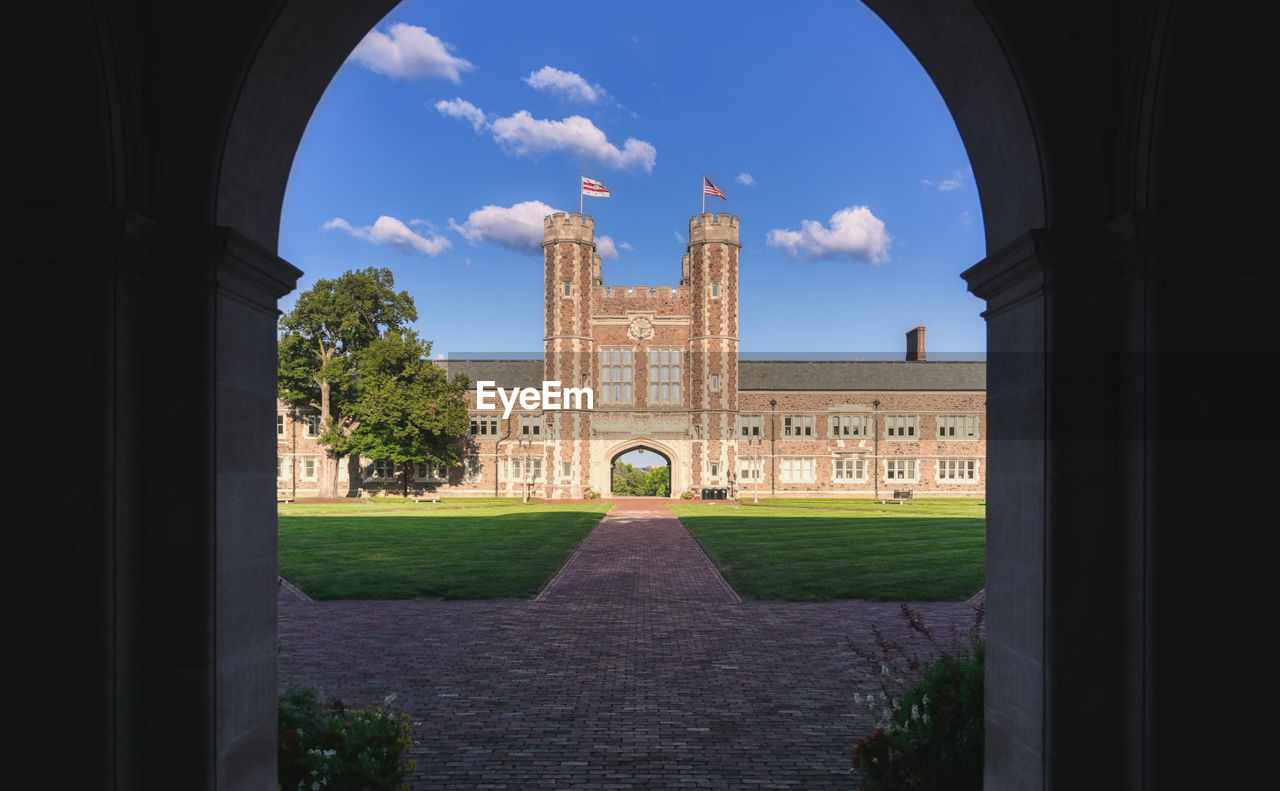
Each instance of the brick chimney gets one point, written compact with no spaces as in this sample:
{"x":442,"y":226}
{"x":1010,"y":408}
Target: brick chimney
{"x":915,"y":344}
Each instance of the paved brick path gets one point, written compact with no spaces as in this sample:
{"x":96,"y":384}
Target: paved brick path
{"x":637,"y":667}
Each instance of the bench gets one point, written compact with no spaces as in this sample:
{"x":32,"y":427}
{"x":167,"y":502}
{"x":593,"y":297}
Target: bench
{"x":283,"y":499}
{"x":426,"y":499}
{"x":898,"y":498}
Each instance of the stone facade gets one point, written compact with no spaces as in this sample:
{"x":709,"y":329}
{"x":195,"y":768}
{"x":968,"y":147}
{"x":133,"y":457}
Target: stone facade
{"x":662,"y":362}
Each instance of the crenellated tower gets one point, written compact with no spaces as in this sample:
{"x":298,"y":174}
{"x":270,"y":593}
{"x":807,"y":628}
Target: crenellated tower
{"x":711,"y":269}
{"x":571,"y":270}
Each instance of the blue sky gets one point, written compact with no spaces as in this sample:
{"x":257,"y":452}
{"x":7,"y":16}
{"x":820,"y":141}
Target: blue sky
{"x":439,"y":141}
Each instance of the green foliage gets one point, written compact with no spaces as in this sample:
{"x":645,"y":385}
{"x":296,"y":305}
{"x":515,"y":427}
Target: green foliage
{"x":934,"y":738}
{"x":402,"y":406}
{"x":630,"y":482}
{"x":687,"y":494}
{"x":325,"y":745}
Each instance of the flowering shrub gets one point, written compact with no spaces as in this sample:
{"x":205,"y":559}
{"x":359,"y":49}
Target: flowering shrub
{"x":324,"y":745}
{"x":929,"y":734}
{"x":591,"y":494}
{"x":687,"y":494}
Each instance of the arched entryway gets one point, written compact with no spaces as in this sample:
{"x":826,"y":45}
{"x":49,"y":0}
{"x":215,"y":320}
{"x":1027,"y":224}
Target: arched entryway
{"x":640,"y":471}
{"x":1127,"y":175}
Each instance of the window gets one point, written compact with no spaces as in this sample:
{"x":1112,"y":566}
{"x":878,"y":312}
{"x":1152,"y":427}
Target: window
{"x":516,"y":471}
{"x":311,"y":426}
{"x":282,"y":467}
{"x":715,"y":382}
{"x":484,"y":426}
{"x":957,"y":426}
{"x":715,"y":469}
{"x":471,"y":468}
{"x":900,"y":426}
{"x":615,"y":376}
{"x":428,"y":472}
{"x":566,"y":469}
{"x":900,"y":470}
{"x":797,"y":426}
{"x":664,"y":376}
{"x":751,"y":469}
{"x":749,"y":425}
{"x":850,"y":426}
{"x":849,"y":470}
{"x":381,"y":470}
{"x":797,"y":470}
{"x":568,"y":289}
{"x":715,"y":289}
{"x":957,"y":469}
{"x":308,"y":468}
{"x":531,"y":425}
{"x":279,"y":425}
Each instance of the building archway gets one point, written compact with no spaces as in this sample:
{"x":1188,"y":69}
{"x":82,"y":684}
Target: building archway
{"x":602,"y":476}
{"x":1116,"y":147}
{"x":641,"y":447}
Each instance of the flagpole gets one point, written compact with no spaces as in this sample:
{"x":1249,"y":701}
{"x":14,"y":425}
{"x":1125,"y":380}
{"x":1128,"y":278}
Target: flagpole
{"x":704,"y":193}
{"x":581,"y":207}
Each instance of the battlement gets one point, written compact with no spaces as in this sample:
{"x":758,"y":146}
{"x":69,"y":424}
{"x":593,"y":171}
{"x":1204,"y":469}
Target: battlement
{"x":561,"y":227}
{"x":711,"y":227}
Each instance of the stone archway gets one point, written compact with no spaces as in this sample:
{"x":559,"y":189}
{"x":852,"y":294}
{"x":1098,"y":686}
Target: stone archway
{"x":1126,"y":169}
{"x":645,"y":445}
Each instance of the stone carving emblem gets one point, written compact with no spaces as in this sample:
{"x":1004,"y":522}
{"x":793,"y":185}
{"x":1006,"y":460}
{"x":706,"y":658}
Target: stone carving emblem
{"x":641,"y":328}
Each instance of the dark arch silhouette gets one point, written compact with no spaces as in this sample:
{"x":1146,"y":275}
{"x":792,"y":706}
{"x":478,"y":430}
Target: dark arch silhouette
{"x":1124,"y":156}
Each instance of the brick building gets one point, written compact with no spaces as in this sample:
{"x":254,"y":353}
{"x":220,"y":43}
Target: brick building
{"x":662,"y":362}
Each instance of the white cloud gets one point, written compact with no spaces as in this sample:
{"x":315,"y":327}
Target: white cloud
{"x":948,"y":185}
{"x":517,"y":227}
{"x":523,"y":134}
{"x":680,"y":237}
{"x":855,"y":233}
{"x":390,"y":232}
{"x":966,"y":219}
{"x":624,"y":246}
{"x":409,"y":51}
{"x":606,"y":248}
{"x":745,"y":179}
{"x":461,"y":108}
{"x":567,"y":85}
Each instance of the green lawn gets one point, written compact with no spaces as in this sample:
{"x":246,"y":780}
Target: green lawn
{"x":823,"y":549}
{"x":458,"y":549}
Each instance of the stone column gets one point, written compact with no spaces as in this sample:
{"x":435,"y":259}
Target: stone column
{"x":1122,"y":565}
{"x":142,"y":561}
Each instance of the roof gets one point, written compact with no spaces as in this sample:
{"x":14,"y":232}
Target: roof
{"x":860,"y":375}
{"x":778,"y":374}
{"x":507,"y":373}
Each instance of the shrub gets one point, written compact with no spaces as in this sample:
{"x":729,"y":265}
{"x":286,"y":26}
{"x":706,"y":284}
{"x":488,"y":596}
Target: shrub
{"x":929,"y":734}
{"x":591,"y":494}
{"x":324,"y":745}
{"x":687,"y":494}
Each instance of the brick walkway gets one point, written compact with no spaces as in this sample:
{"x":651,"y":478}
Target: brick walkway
{"x":637,"y":667}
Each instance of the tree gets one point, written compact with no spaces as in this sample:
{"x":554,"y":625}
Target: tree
{"x":330,"y":323}
{"x":658,"y":482}
{"x":403,"y":407}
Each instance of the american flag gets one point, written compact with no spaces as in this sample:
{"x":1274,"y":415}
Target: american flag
{"x":594,"y":188}
{"x":710,"y":189}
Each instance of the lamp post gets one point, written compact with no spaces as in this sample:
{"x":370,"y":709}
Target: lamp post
{"x":875,"y":434}
{"x":773,"y":436}
{"x":525,"y":442}
{"x":755,"y":443}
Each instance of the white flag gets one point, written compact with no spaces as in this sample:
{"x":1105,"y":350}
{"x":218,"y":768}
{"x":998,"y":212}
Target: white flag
{"x":594,"y":188}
